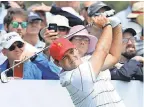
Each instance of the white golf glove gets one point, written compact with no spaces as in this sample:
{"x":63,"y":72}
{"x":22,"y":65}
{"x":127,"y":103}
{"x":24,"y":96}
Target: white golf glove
{"x":114,"y":21}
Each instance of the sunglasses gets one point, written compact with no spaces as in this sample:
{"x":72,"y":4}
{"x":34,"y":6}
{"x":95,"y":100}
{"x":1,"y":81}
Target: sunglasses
{"x":62,"y":28}
{"x":18,"y":44}
{"x":16,"y":24}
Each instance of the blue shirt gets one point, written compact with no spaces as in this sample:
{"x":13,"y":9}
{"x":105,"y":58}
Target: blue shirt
{"x":30,"y":70}
{"x":49,"y":69}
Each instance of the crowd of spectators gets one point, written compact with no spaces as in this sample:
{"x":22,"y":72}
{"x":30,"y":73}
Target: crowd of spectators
{"x":27,"y":31}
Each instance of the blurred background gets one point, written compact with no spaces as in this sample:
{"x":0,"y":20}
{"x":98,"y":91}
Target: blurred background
{"x":117,"y":5}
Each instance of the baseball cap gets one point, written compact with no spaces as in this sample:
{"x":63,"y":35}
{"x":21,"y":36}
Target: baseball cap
{"x":58,"y":48}
{"x":94,"y":8}
{"x":137,"y":9}
{"x":9,"y":38}
{"x":84,"y":32}
{"x":33,"y":16}
{"x":130,"y":30}
{"x":135,"y":27}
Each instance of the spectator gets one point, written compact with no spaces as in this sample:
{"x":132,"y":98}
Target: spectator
{"x":137,"y":16}
{"x":84,"y":42}
{"x":33,"y":28}
{"x":50,"y":35}
{"x":13,"y":19}
{"x":130,"y":65}
{"x":14,"y":49}
{"x":17,"y":15}
{"x":16,"y":21}
{"x":41,"y":13}
{"x":138,"y":41}
{"x":82,"y":78}
{"x":62,"y":29}
{"x":137,"y":9}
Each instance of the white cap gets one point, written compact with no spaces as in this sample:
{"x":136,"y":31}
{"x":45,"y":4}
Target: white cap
{"x":9,"y":38}
{"x":59,"y":20}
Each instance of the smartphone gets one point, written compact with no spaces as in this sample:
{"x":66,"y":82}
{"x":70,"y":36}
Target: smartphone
{"x":18,"y":70}
{"x":52,"y":26}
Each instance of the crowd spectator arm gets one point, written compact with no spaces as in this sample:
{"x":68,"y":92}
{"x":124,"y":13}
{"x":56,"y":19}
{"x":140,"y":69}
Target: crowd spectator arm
{"x":128,"y":71}
{"x":73,"y":20}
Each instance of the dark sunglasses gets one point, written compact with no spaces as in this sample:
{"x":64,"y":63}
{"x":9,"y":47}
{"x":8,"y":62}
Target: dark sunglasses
{"x":18,"y":44}
{"x":62,"y":28}
{"x":16,"y":24}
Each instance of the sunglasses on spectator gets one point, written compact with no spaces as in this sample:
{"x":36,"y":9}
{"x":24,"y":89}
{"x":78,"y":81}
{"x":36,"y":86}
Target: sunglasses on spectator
{"x":18,"y":44}
{"x":132,"y":39}
{"x":79,"y":39}
{"x":62,"y":28}
{"x":16,"y":24}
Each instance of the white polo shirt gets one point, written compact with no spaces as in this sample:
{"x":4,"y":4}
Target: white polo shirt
{"x":88,"y":90}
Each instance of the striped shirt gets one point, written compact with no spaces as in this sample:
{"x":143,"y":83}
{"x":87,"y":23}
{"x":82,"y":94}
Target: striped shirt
{"x":88,"y":90}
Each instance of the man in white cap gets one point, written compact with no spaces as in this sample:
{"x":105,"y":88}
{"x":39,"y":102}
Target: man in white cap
{"x":14,"y":48}
{"x":62,"y":27}
{"x":16,"y":21}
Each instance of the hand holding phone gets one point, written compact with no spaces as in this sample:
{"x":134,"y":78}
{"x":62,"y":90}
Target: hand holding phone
{"x":52,"y":26}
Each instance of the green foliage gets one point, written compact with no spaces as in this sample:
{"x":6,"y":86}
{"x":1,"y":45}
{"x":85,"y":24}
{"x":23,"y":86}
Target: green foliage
{"x":117,"y":5}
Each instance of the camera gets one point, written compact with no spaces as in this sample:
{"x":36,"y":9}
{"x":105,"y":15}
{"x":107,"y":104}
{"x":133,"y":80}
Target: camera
{"x":52,"y":26}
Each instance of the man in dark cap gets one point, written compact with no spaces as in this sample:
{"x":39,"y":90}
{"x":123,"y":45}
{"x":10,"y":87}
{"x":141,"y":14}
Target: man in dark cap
{"x":32,"y":31}
{"x":130,"y":65}
{"x":98,"y":7}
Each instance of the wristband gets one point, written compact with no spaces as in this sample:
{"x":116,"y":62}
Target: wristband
{"x":106,"y":25}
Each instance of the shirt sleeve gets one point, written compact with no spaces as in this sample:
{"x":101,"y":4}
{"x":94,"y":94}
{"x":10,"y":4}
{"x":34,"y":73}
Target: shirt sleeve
{"x":73,"y":20}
